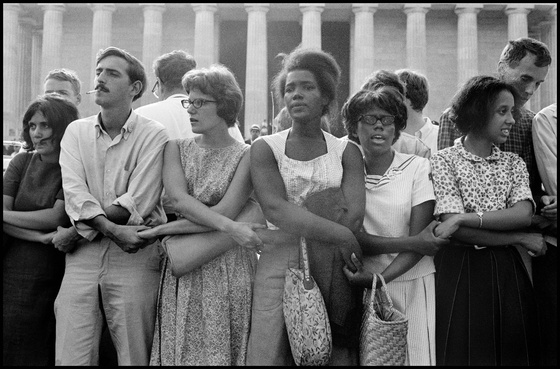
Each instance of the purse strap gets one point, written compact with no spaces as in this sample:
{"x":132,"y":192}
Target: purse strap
{"x":383,"y":295}
{"x":308,"y":282}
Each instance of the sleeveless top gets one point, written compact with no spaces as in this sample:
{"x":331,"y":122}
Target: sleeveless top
{"x":303,"y":178}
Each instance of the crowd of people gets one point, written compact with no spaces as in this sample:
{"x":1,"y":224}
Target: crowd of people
{"x":458,"y":216}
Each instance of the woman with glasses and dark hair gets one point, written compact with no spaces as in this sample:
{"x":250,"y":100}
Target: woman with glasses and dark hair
{"x":203,"y":316}
{"x":397,"y":239}
{"x":486,"y":312}
{"x":32,"y":268}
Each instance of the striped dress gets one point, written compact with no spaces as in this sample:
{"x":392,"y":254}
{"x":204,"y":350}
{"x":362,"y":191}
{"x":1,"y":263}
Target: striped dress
{"x":389,"y":202}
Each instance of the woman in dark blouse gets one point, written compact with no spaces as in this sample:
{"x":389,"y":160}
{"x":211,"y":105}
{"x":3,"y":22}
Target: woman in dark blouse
{"x":33,"y":208}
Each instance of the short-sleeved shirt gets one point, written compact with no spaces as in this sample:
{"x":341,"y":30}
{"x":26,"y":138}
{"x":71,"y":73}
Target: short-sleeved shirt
{"x":520,"y":142}
{"x":389,"y":203}
{"x":467,"y":183}
{"x":34,"y":184}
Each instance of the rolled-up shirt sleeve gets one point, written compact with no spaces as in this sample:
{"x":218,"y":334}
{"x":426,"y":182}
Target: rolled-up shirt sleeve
{"x":99,"y":171}
{"x":145,"y":185}
{"x":80,"y":204}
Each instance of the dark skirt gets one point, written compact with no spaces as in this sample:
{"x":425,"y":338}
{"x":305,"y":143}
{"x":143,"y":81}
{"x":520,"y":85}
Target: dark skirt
{"x":32,"y":274}
{"x":486,"y":311}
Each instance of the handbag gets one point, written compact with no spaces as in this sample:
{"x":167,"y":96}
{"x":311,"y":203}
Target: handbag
{"x":305,"y":314}
{"x":186,"y":252}
{"x":384,"y":329}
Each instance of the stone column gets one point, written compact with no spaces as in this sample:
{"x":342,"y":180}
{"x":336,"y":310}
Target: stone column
{"x":52,"y":37}
{"x":256,"y":78}
{"x":517,"y":20}
{"x":362,"y":51}
{"x":549,"y":37}
{"x":204,"y":33}
{"x":416,"y":55}
{"x":467,"y":41}
{"x":311,"y":24}
{"x":151,"y":45}
{"x":102,"y":30}
{"x":36,"y":50}
{"x":10,"y":15}
{"x":25,"y":63}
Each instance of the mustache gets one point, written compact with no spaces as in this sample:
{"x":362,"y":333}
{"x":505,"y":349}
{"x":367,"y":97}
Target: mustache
{"x":99,"y":87}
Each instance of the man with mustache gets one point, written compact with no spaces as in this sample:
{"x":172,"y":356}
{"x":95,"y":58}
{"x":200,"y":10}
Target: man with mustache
{"x":111,"y":172}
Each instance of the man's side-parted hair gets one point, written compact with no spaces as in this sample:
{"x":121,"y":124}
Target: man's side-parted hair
{"x":135,"y":68}
{"x":471,"y":106}
{"x":58,"y":112}
{"x":69,"y":75}
{"x":517,"y":49}
{"x":384,"y":77}
{"x":321,"y":64}
{"x":417,"y":89}
{"x":171,"y":67}
{"x":220,"y":83}
{"x":384,"y":97}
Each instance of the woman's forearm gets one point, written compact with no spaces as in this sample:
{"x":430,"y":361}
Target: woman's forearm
{"x":27,"y":234}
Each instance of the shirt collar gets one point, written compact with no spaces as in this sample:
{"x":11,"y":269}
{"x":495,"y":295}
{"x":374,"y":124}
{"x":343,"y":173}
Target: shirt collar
{"x":126,"y":129}
{"x":495,"y":155}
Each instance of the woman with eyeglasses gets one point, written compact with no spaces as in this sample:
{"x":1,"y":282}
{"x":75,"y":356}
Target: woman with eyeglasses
{"x":397,"y":240}
{"x":203,"y":316}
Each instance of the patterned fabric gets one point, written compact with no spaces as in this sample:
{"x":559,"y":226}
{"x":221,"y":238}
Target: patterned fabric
{"x":520,"y":142}
{"x":466,"y":183}
{"x":306,"y":317}
{"x":203,"y":317}
{"x":485,"y":304}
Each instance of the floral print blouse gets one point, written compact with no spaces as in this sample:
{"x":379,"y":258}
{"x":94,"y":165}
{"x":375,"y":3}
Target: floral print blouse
{"x":466,"y":183}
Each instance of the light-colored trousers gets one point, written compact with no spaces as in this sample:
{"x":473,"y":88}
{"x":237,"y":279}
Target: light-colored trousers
{"x":100,"y":273}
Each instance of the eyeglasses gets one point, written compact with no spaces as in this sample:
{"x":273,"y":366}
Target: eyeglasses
{"x":372,"y":120}
{"x":155,"y":88}
{"x":197,"y":103}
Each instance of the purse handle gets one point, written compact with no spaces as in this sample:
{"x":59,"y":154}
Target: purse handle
{"x":308,"y":282}
{"x":383,"y":295}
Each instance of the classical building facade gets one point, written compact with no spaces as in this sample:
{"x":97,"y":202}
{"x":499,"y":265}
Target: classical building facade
{"x":448,"y":42}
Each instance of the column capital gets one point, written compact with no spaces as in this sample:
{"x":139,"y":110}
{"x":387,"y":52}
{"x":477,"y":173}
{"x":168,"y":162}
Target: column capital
{"x":14,"y":7}
{"x":60,"y":7}
{"x":311,"y":7}
{"x":28,"y":21}
{"x":102,"y":7}
{"x":364,"y":7}
{"x":416,"y":8}
{"x":200,"y":7}
{"x":256,"y":7}
{"x":468,"y":8}
{"x":519,"y":8}
{"x":153,"y":6}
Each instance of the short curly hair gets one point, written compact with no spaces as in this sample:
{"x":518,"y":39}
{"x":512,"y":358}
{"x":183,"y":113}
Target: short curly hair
{"x":58,"y":112}
{"x":384,"y":97}
{"x":220,"y":83}
{"x":321,"y":64}
{"x":472,"y":104}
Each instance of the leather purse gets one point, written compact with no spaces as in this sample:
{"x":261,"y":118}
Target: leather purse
{"x":186,"y":252}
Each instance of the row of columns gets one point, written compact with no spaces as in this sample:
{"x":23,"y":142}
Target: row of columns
{"x":206,"y":42}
